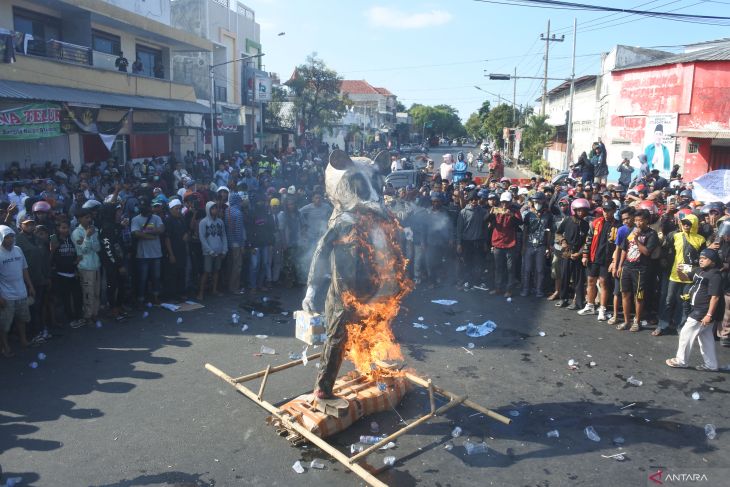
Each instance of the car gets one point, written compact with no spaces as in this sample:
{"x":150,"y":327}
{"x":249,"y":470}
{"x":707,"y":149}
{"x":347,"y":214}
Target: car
{"x":484,"y":146}
{"x":401,"y":179}
{"x":563,"y":177}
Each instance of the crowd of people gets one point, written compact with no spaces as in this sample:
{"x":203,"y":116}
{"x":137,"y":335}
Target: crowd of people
{"x":94,"y":243}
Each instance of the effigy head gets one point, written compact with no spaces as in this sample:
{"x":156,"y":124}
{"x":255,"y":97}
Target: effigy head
{"x":357,"y":181}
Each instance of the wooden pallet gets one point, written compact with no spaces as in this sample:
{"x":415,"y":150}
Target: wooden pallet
{"x":288,"y":426}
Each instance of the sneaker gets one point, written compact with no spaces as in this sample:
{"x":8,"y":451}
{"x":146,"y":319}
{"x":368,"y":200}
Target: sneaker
{"x":539,"y":294}
{"x":705,"y":368}
{"x":562,"y":303}
{"x":524,"y":294}
{"x":588,"y":310}
{"x":572,"y":306}
{"x":78,"y":323}
{"x":601,"y":314}
{"x":38,"y":340}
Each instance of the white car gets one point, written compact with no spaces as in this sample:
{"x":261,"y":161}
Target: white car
{"x":484,"y":146}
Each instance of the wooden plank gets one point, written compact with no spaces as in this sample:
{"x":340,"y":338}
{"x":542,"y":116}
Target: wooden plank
{"x":277,"y":368}
{"x":263,"y":381}
{"x":431,"y":399}
{"x":331,"y":450}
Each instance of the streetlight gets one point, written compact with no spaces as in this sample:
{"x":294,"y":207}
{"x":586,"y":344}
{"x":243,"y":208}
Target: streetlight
{"x":213,"y":139}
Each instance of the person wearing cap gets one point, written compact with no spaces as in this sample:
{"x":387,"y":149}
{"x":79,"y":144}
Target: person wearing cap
{"x":86,"y":240}
{"x":598,"y":253}
{"x":537,"y":241}
{"x":705,"y":298}
{"x":27,"y":242}
{"x":685,"y":246}
{"x":470,"y":240}
{"x":15,"y":288}
{"x":571,"y":236}
{"x":504,"y":222}
{"x":147,"y":228}
{"x":175,"y":258}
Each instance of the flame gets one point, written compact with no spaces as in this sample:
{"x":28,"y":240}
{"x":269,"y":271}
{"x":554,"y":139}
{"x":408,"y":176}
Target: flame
{"x":369,"y":335}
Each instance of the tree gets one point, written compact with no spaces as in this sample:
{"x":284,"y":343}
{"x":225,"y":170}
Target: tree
{"x":496,"y":120}
{"x":399,"y":107}
{"x":437,"y":120}
{"x":474,"y":126}
{"x":484,"y":110}
{"x":278,"y":109}
{"x":536,"y":135}
{"x":317,"y":95}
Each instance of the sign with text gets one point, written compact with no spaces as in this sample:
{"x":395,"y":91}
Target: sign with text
{"x":713,"y":186}
{"x":263,"y":88}
{"x":35,"y":121}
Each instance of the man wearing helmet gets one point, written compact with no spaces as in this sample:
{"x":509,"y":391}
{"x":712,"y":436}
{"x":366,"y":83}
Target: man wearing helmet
{"x":635,"y":259}
{"x":597,"y":258}
{"x":571,"y":235}
{"x":504,"y":221}
{"x":536,"y":243}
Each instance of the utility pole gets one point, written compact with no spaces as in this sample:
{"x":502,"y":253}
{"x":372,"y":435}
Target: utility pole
{"x":514,"y":99}
{"x":547,"y":40}
{"x":569,"y":148}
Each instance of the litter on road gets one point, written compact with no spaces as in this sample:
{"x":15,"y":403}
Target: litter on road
{"x":444,"y":302}
{"x":484,"y":329}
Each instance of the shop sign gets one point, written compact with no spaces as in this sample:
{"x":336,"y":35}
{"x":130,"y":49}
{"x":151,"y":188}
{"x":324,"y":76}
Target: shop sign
{"x":34,"y":121}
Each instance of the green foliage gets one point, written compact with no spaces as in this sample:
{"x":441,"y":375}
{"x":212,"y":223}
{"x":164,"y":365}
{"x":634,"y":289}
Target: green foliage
{"x":536,"y":135}
{"x":317,"y":95}
{"x":444,"y":120}
{"x":539,"y":166}
{"x":484,"y":110}
{"x":276,"y":115}
{"x":474,"y":126}
{"x":399,"y":107}
{"x":496,"y":120}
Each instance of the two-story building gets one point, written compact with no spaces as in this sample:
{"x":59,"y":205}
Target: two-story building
{"x":232,"y":29}
{"x":100,"y":73}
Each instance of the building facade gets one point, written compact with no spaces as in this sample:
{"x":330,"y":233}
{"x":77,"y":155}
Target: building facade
{"x":64,"y":59}
{"x":232,"y":29}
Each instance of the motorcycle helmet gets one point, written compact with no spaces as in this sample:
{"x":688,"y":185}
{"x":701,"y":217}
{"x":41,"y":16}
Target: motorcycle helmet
{"x":724,"y":230}
{"x":41,"y":207}
{"x":580,"y":203}
{"x":483,"y":194}
{"x":687,"y":193}
{"x":537,"y":196}
{"x":648,"y":205}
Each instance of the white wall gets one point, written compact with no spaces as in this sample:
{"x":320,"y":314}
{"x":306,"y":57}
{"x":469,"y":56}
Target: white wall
{"x":158,"y":10}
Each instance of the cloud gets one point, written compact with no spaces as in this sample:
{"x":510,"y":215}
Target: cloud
{"x":393,"y":18}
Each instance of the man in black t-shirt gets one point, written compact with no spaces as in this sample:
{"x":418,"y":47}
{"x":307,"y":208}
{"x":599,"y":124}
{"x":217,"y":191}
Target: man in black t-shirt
{"x":635,"y":256}
{"x":705,"y":297}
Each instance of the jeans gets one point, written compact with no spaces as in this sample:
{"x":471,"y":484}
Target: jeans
{"x":674,"y":307}
{"x":504,"y":268}
{"x":419,"y":261}
{"x":434,"y":260}
{"x":148,"y":269}
{"x":68,"y":292}
{"x":471,"y":265}
{"x":90,"y":292}
{"x":233,"y":267}
{"x":533,"y":261}
{"x":260,"y":266}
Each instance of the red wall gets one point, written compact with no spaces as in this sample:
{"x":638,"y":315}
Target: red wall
{"x":149,"y":145}
{"x":94,"y":148}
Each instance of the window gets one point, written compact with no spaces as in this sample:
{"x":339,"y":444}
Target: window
{"x":107,"y":43}
{"x":221,"y":93}
{"x":693,"y":148}
{"x":150,"y":62}
{"x":41,"y":27}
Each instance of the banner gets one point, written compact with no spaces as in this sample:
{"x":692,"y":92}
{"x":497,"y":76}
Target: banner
{"x":34,"y":121}
{"x":659,"y":148}
{"x":80,"y":119}
{"x":263,"y":88}
{"x":713,"y":186}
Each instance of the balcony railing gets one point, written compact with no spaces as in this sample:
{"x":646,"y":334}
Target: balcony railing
{"x":64,"y":51}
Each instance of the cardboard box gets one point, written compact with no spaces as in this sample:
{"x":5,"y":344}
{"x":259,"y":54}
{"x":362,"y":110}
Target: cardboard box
{"x":309,"y":328}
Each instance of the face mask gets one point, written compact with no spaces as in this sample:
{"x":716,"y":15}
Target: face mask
{"x":538,"y":206}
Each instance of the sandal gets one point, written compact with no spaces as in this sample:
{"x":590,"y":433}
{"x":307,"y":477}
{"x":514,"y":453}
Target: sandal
{"x":622,"y":326}
{"x":658,"y":332}
{"x":635,"y":326}
{"x":673,"y":363}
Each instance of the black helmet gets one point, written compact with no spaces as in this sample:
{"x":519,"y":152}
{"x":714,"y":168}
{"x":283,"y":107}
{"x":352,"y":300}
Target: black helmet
{"x":609,"y":206}
{"x":724,"y":230}
{"x":687,"y":193}
{"x":539,"y":196}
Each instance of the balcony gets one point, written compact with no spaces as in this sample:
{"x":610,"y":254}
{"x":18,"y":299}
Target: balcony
{"x":60,"y":51}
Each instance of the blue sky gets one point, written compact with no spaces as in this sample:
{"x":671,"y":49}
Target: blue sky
{"x":435,"y":52}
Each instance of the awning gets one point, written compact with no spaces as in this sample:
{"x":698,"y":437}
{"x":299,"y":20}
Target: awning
{"x":704,"y":134}
{"x":30,"y":91}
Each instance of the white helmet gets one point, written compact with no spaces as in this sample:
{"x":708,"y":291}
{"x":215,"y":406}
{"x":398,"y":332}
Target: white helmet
{"x":505,"y":196}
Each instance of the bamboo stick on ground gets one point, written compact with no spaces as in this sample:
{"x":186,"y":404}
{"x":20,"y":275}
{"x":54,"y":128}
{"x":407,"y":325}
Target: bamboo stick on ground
{"x":277,"y":368}
{"x":334,"y":452}
{"x":395,"y":435}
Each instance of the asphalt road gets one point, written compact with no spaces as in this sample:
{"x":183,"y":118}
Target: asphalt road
{"x":132,"y":405}
{"x":512,"y":172}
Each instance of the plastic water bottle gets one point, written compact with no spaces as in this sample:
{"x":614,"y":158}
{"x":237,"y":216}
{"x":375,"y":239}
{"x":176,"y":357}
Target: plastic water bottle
{"x":316,"y":463}
{"x":591,"y":434}
{"x":553,"y":434}
{"x":298,"y":467}
{"x":388,"y":446}
{"x":710,"y":431}
{"x":456,"y":433}
{"x":356,"y":448}
{"x":179,"y":321}
{"x":234,"y":318}
{"x":634,"y":381}
{"x":267,"y":350}
{"x":41,"y":356}
{"x":370,"y":440}
{"x":475,"y":448}
{"x":389,"y":461}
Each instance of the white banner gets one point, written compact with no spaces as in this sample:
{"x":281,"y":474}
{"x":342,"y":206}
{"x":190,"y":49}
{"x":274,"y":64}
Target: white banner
{"x":263,"y":88}
{"x":108,"y":140}
{"x":713,"y":186}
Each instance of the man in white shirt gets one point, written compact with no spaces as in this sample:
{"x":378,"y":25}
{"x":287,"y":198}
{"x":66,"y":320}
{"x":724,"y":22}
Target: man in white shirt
{"x":447,"y":167}
{"x":15,"y":287}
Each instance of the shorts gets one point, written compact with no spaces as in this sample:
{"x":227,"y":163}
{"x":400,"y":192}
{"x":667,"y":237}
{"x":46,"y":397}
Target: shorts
{"x":14,"y":310}
{"x":597,"y":270}
{"x":617,"y":286}
{"x":212,"y":263}
{"x":632,"y":281}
